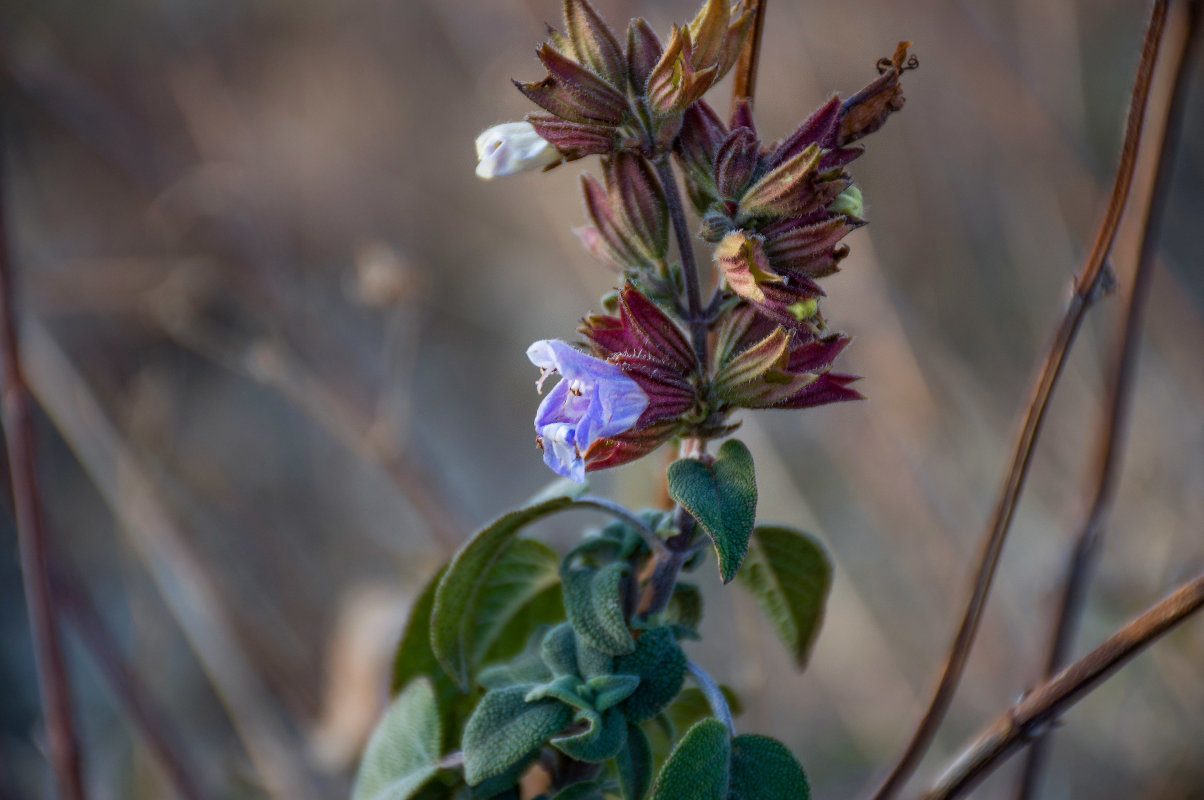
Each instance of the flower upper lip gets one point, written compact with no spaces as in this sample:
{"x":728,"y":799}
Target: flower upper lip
{"x":593,"y":400}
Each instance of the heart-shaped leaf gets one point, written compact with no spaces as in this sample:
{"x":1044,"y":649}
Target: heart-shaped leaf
{"x":763,"y":769}
{"x":722,"y":496}
{"x":789,"y":574}
{"x":403,"y":753}
{"x":699,"y":767}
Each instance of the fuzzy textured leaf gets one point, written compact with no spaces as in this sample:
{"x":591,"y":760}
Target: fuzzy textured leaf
{"x":593,"y":603}
{"x":722,"y":496}
{"x":415,"y":659}
{"x":660,"y":664}
{"x":586,"y":790}
{"x":525,"y":569}
{"x":698,"y":768}
{"x":763,"y":769}
{"x":505,"y":729}
{"x":685,"y":606}
{"x":403,"y":753}
{"x":790,"y":575}
{"x":633,"y":765}
{"x":453,"y":619}
{"x":600,"y":741}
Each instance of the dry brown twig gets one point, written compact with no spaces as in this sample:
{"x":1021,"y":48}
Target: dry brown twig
{"x":1114,"y":422}
{"x":1087,"y":288}
{"x":1034,"y":714}
{"x":31,"y":535}
{"x":135,"y":700}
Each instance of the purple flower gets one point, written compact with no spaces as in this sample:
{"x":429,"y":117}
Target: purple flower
{"x":594,"y":400}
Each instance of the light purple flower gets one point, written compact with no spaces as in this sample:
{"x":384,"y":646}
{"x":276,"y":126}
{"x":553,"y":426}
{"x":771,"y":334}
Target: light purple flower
{"x":593,"y":400}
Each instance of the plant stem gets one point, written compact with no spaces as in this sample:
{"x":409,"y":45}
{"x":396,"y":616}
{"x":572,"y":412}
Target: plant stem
{"x":689,"y":268}
{"x":139,"y":705}
{"x":624,"y":514}
{"x":1039,"y":709}
{"x":714,"y":696}
{"x":1086,"y":291}
{"x":31,"y":535}
{"x":1114,"y":427}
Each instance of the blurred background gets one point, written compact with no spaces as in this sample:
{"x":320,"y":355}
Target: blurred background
{"x":276,"y":329}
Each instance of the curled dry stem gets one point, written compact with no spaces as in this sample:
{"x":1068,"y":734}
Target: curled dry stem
{"x":1086,"y":290}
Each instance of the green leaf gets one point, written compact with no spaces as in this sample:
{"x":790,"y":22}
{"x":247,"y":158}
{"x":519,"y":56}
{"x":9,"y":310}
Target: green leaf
{"x":660,"y":665}
{"x":561,"y":487}
{"x":415,"y":659}
{"x":789,"y":574}
{"x":685,"y":606}
{"x":722,"y":496}
{"x":525,"y":668}
{"x":610,"y":690}
{"x":691,"y":706}
{"x":586,"y":790}
{"x":453,"y":619}
{"x":567,"y":689}
{"x":763,"y":769}
{"x":505,"y":730}
{"x":602,"y":739}
{"x":698,"y":768}
{"x":546,"y":608}
{"x":634,"y":764}
{"x":593,"y":602}
{"x":559,"y":650}
{"x":524,"y":570}
{"x":403,"y":753}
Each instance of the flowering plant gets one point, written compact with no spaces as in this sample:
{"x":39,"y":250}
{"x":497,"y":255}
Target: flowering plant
{"x":522,"y":668}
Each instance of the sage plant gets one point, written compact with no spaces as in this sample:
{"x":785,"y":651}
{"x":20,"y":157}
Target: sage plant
{"x":525,"y":673}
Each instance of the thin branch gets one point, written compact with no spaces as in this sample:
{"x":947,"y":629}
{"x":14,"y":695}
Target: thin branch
{"x":1086,"y":290}
{"x":1115,"y":423}
{"x":624,"y":514}
{"x":163,"y":546}
{"x":744,"y":79}
{"x":1034,"y":714}
{"x":714,"y":695}
{"x":31,"y":535}
{"x":270,"y":363}
{"x":126,"y":145}
{"x":134,"y":699}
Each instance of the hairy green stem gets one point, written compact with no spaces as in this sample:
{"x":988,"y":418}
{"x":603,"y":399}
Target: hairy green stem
{"x":714,"y":696}
{"x":626,"y":515}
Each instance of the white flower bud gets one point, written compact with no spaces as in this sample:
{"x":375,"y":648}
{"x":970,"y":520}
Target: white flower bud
{"x":513,"y":147}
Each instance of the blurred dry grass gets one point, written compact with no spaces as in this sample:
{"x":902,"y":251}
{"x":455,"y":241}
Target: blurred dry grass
{"x":278,"y":328}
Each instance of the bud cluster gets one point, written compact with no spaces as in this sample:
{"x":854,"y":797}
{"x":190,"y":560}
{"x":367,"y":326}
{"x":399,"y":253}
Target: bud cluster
{"x":658,"y":363}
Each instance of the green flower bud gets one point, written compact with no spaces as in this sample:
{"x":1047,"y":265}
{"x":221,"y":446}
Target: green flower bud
{"x":848,"y":203}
